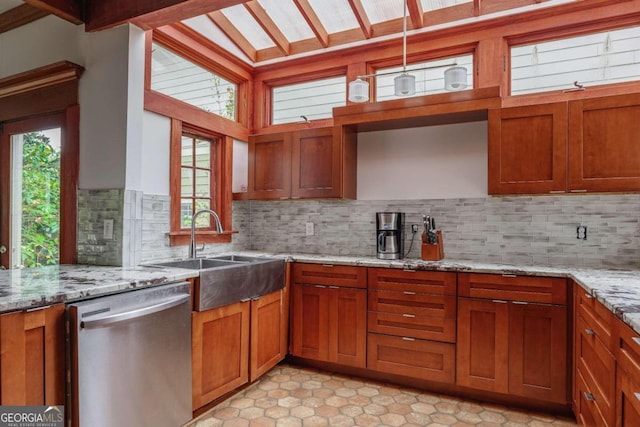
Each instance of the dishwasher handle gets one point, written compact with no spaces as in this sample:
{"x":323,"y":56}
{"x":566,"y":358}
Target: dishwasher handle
{"x":132,"y":314}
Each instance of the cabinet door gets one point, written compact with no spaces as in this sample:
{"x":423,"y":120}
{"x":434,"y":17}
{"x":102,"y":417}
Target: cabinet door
{"x":538,"y":352}
{"x":310,"y":321}
{"x":268,"y":338}
{"x":528,"y":149}
{"x":348,"y":326}
{"x":316,"y":170}
{"x":483,"y":333}
{"x":220,"y":345}
{"x":32,"y":361}
{"x":604,"y":153}
{"x":270,"y":166}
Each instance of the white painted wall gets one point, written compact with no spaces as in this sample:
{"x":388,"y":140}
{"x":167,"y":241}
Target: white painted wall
{"x":240,"y":177}
{"x":135,"y":108}
{"x":39,"y":43}
{"x":155,"y":149}
{"x":423,"y":163}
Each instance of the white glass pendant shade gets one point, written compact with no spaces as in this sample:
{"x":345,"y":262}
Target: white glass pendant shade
{"x":405,"y":85}
{"x":358,"y":91}
{"x":455,"y":78}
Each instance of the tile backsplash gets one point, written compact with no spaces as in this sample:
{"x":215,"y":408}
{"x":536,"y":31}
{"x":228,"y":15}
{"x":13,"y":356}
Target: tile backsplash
{"x":520,"y":230}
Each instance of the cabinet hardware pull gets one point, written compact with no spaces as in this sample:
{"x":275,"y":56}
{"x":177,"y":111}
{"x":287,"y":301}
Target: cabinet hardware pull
{"x":556,"y":191}
{"x":284,"y":197}
{"x":409,"y":270}
{"x":636,"y":340}
{"x":327,"y":265}
{"x":30,"y":310}
{"x":499,"y":301}
{"x":521,"y":302}
{"x":509,"y":275}
{"x":637,"y":395}
{"x":408,"y":339}
{"x":334,"y":287}
{"x":578,"y":191}
{"x":409,"y":293}
{"x":320,"y":286}
{"x":590,"y":397}
{"x":409,"y":315}
{"x":588,"y":296}
{"x":295,"y":197}
{"x":590,"y":332}
{"x":245,"y":299}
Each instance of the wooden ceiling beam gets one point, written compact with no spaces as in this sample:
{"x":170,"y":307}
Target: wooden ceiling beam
{"x":416,"y":13}
{"x":313,"y":21}
{"x":219,"y":19}
{"x":18,"y":16}
{"x":69,"y":10}
{"x":147,"y":14}
{"x":361,"y":16}
{"x":267,"y":24}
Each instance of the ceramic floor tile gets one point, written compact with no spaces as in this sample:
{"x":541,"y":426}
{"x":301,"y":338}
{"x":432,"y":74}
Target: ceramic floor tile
{"x":301,"y":397}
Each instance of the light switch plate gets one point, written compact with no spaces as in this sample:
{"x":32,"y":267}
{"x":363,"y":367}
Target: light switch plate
{"x":107,"y":232}
{"x":310,"y":229}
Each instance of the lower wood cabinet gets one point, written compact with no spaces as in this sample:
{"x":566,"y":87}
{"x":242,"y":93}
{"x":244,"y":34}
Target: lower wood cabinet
{"x":32,"y":357}
{"x":514,"y":347}
{"x":329,"y":314}
{"x":628,"y":376}
{"x":235,"y":344}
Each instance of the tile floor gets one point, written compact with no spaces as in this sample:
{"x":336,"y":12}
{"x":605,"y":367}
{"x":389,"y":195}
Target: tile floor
{"x":293,"y":396}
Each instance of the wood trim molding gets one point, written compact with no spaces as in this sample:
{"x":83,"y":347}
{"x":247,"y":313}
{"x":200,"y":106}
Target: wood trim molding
{"x":19,"y":16}
{"x":38,"y":78}
{"x":70,"y":10}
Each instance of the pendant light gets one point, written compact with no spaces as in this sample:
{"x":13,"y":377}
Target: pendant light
{"x":455,"y":78}
{"x":404,"y":84}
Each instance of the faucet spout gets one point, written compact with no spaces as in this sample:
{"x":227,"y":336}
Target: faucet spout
{"x":192,"y":241}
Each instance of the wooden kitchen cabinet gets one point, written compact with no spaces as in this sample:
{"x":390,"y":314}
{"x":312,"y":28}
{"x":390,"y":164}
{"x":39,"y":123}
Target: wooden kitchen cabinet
{"x":628,"y":376}
{"x":512,"y":336}
{"x":528,"y":149}
{"x":412,"y":323}
{"x":595,"y":364}
{"x":32,"y":357}
{"x":311,"y":163}
{"x":235,"y":344}
{"x":329,"y":313}
{"x":604,"y":154}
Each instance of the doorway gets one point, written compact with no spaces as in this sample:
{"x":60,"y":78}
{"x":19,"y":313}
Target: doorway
{"x":31,"y":184}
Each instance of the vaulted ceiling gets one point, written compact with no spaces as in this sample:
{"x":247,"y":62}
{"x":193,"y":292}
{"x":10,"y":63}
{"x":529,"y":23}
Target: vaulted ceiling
{"x":263,"y":31}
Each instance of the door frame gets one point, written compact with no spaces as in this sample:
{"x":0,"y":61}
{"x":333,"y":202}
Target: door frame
{"x":68,"y":121}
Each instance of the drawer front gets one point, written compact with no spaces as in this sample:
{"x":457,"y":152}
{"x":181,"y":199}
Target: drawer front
{"x":628,"y":401}
{"x":587,"y":411}
{"x":597,"y":369}
{"x":629,"y":351}
{"x":598,"y":318}
{"x":426,"y":360}
{"x":424,"y":316}
{"x":545,"y":290}
{"x":330,"y":275}
{"x":427,"y":282}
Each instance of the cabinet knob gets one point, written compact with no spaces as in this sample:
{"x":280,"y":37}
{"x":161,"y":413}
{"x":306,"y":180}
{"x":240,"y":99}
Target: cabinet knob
{"x":590,"y":397}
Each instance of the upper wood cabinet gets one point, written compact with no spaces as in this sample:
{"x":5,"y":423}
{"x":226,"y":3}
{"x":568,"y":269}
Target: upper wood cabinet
{"x":604,"y":144}
{"x":312,"y":163}
{"x":577,"y":146}
{"x":528,"y":149}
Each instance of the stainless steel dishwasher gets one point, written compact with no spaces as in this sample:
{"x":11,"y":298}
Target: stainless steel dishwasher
{"x":130,"y":357}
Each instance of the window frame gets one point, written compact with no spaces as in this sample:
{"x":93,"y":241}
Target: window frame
{"x":220,"y":192}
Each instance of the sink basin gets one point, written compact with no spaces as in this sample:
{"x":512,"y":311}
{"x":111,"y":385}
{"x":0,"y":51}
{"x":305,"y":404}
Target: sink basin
{"x":196,"y":264}
{"x":227,"y":279}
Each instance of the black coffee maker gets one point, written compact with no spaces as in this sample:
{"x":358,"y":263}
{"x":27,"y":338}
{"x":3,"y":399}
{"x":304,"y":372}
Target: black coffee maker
{"x":390,"y":235}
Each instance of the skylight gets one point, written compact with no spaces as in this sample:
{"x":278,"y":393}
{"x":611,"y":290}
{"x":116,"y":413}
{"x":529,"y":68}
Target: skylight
{"x":383,"y":10}
{"x":428,"y":5}
{"x":288,"y":19}
{"x":244,"y":22}
{"x":335,"y":15}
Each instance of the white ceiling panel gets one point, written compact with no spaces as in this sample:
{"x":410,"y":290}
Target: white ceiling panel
{"x":250,"y":29}
{"x":383,"y":10}
{"x":204,"y":26}
{"x":289,"y":20}
{"x":335,"y":15}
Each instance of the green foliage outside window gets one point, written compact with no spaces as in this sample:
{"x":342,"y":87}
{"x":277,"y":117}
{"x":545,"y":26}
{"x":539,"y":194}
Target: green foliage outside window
{"x":40,"y":202}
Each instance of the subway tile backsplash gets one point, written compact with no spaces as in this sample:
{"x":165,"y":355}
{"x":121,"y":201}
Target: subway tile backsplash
{"x":520,"y":230}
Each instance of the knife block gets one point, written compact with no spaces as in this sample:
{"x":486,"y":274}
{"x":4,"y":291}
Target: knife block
{"x":430,"y":251}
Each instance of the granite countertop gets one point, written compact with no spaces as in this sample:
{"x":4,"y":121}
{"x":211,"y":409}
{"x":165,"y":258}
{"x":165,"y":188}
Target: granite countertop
{"x":618,"y":290}
{"x":35,"y":287}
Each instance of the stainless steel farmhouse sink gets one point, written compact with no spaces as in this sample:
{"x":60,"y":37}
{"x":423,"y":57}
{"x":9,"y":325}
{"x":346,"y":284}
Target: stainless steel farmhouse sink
{"x":228,"y":279}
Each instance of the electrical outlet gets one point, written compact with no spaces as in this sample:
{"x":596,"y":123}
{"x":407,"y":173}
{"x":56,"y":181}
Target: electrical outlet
{"x":310,"y":229}
{"x":107,"y":231}
{"x":581,"y":232}
{"x":414,"y":228}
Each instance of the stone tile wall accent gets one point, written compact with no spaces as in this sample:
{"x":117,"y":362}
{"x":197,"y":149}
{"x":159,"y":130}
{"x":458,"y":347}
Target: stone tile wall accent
{"x":523,"y":230}
{"x":95,"y":206}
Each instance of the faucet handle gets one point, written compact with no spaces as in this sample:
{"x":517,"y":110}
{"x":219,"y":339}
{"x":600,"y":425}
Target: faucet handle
{"x":198,"y":249}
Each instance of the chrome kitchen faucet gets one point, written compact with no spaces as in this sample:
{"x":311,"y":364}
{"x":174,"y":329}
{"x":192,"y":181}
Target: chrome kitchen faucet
{"x":192,"y":243}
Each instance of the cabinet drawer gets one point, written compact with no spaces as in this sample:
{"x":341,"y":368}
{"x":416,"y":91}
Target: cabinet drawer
{"x":596,"y":366}
{"x":546,"y":290}
{"x":587,"y":411}
{"x":330,"y":275}
{"x":427,"y":282}
{"x":629,"y":351}
{"x":628,"y":401}
{"x":598,"y":318}
{"x":427,"y":360}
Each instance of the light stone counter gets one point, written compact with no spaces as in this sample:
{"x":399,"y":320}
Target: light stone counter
{"x":35,"y":287}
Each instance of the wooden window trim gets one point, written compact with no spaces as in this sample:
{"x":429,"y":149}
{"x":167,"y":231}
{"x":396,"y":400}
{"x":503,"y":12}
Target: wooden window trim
{"x":221,"y":193}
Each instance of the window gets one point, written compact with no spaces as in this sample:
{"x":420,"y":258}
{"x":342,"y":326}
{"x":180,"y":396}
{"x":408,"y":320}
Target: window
{"x":197,"y":182}
{"x":314,"y":100}
{"x":428,"y":82}
{"x":178,"y":78}
{"x":598,"y":58}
